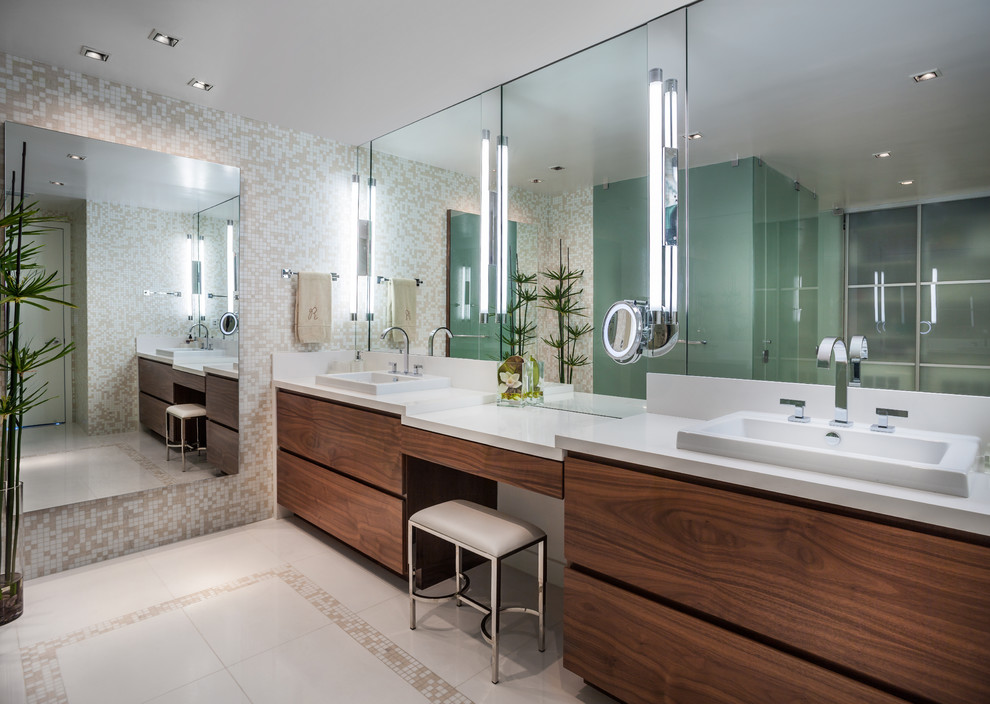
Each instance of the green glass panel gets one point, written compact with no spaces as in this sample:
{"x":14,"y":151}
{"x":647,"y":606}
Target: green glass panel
{"x":961,"y":332}
{"x":892,"y":337}
{"x":949,"y":380}
{"x":883,"y":241}
{"x":955,"y":239}
{"x":887,"y":376}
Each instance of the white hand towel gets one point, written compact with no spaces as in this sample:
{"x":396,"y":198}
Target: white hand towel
{"x":401,"y":308}
{"x":314,"y":297}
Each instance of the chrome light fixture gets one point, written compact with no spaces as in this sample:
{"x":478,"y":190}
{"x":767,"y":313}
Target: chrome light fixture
{"x":356,"y":240}
{"x":371,"y":246}
{"x":634,"y":328}
{"x":485,"y":228}
{"x":231,"y":267}
{"x":90,"y":53}
{"x":502,"y":176}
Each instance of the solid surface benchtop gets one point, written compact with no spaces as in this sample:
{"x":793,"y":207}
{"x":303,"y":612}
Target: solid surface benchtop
{"x":220,"y":366}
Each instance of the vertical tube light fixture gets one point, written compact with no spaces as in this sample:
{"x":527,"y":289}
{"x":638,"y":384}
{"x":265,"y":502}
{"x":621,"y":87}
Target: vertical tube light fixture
{"x":355,"y":239}
{"x":656,"y":186}
{"x":670,"y":195}
{"x":485,"y":230}
{"x":201,"y":267}
{"x":231,"y":283}
{"x":502,"y":166}
{"x":934,"y":315}
{"x":371,"y":247}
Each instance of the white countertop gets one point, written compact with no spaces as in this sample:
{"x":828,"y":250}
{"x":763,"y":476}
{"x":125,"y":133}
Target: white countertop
{"x":218,"y":364}
{"x":649,"y":440}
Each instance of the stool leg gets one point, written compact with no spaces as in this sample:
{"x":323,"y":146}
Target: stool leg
{"x":411,"y":546}
{"x":182,"y":434}
{"x":457,"y":575}
{"x":496,"y":605}
{"x":168,"y":434}
{"x":542,"y":579}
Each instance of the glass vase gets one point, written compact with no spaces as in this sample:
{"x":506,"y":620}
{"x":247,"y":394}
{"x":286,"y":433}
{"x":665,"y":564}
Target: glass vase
{"x":512,"y":381}
{"x":534,"y":379}
{"x":11,"y":579}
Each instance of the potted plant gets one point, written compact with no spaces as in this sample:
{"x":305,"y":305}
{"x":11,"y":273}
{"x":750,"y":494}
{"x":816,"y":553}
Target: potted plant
{"x":22,"y":282}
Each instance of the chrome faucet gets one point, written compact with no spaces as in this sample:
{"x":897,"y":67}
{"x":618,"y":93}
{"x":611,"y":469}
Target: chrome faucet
{"x":432,"y":334}
{"x":202,"y":325}
{"x":825,"y":350}
{"x":858,"y":351}
{"x":405,"y":350}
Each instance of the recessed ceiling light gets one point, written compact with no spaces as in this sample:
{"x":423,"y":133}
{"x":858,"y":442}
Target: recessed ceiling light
{"x":882,"y":155}
{"x":165,"y":39}
{"x":695,"y":135}
{"x":926,"y":75}
{"x":199,"y":84}
{"x":77,"y":157}
{"x":536,"y":180}
{"x":556,"y":168}
{"x":57,"y":183}
{"x":908,"y":182}
{"x":94,"y":54}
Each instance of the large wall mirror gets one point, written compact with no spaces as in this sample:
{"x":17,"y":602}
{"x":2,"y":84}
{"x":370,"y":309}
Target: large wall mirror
{"x":147,"y":244}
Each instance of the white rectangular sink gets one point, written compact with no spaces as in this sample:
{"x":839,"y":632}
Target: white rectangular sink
{"x":939,"y":462}
{"x":188,"y":353}
{"x":381,"y":382}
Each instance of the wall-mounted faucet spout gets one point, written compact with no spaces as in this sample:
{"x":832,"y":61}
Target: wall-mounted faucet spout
{"x":206,"y":345}
{"x":825,"y":351}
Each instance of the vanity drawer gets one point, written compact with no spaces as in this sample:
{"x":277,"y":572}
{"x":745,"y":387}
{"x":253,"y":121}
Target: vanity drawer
{"x":904,"y":607}
{"x":366,"y":519}
{"x":362,"y":444}
{"x":151,"y":413}
{"x":221,"y":400}
{"x":643,"y":652}
{"x":221,"y":447}
{"x":155,"y":379}
{"x":190,"y":381}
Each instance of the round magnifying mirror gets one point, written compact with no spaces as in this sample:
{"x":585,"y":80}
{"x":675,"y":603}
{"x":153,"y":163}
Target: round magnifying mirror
{"x":622,"y":331}
{"x":228,"y":323}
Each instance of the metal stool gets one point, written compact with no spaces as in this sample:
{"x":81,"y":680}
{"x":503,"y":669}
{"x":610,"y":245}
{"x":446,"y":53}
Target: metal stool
{"x":182,"y":412}
{"x":492,"y":535}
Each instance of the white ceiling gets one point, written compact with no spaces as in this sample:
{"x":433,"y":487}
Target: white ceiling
{"x":348,"y":71}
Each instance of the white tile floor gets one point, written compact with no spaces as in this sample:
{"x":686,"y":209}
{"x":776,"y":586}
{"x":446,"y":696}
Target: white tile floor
{"x":271,"y":612}
{"x":61,"y":465}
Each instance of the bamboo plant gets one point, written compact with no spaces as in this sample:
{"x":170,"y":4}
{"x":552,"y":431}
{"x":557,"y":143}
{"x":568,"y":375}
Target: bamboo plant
{"x":563,"y":297}
{"x":518,"y":331}
{"x":22,"y":282}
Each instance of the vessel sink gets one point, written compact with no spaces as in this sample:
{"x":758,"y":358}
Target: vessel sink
{"x":939,"y":462}
{"x":381,"y":382}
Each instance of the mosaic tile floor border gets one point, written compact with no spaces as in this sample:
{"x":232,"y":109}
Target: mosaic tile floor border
{"x":43,"y":679}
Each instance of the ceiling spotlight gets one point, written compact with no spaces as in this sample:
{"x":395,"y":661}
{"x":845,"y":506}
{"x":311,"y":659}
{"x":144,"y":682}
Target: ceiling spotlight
{"x":536,"y":180}
{"x":165,"y":39}
{"x":94,"y":54}
{"x":556,"y":168}
{"x":695,"y":135}
{"x":199,"y":84}
{"x":926,"y":75}
{"x":882,"y":155}
{"x":907,"y":182}
{"x":57,"y":183}
{"x":77,"y":157}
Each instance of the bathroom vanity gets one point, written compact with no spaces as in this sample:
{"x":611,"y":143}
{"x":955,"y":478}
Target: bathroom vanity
{"x":689,"y":577}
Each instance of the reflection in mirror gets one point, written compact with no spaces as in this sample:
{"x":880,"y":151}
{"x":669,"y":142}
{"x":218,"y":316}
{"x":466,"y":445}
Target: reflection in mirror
{"x":148,"y":248}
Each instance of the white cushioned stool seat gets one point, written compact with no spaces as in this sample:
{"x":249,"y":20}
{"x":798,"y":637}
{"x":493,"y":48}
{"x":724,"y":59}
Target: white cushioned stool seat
{"x":490,"y":534}
{"x":478,"y":528}
{"x":183,"y":412}
{"x":186,"y":410}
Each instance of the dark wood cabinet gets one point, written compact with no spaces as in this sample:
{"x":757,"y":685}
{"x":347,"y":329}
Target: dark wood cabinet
{"x":156,"y":379}
{"x":901,"y":608}
{"x":221,"y":400}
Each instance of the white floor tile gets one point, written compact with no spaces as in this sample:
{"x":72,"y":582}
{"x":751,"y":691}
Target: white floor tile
{"x":11,"y":679}
{"x":291,"y":538}
{"x":253,"y":619}
{"x":323,"y":666}
{"x":137,"y":662}
{"x":210,"y":560}
{"x":8,"y":638}
{"x":67,"y":601}
{"x":353,"y":580}
{"x":218,"y":688}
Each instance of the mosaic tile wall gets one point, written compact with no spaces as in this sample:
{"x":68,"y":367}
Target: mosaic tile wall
{"x":295,"y":192}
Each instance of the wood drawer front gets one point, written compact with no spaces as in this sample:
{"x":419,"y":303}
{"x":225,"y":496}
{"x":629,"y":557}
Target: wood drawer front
{"x":156,"y":379}
{"x":364,"y":518}
{"x":190,"y":381}
{"x":151,"y":413}
{"x":906,"y":608}
{"x":221,"y":447}
{"x":360,"y":443}
{"x":221,"y":400}
{"x":526,"y":471}
{"x":643,"y":653}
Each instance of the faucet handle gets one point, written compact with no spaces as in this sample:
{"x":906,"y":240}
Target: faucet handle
{"x":881,"y":426}
{"x":393,"y":367}
{"x":417,"y":370}
{"x":798,"y":416}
